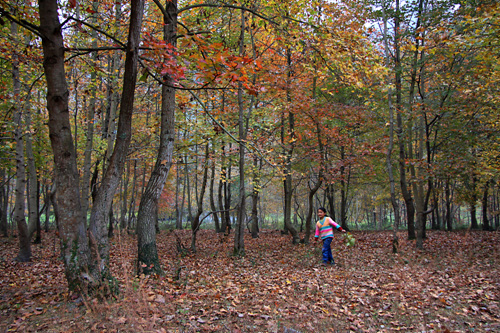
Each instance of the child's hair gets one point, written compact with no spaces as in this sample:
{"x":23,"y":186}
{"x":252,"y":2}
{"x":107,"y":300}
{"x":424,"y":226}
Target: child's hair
{"x":322,"y":209}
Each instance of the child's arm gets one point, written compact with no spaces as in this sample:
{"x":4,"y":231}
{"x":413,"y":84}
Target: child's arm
{"x":337,"y":226}
{"x":316,"y":234}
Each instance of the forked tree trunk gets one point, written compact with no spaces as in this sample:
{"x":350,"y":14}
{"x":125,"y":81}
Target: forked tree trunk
{"x":82,"y":269}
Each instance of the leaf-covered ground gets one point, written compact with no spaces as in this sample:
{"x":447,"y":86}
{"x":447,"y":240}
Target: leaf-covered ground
{"x":451,"y":286}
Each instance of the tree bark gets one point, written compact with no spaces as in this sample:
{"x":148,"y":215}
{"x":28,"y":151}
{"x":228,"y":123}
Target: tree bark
{"x":133,"y":195}
{"x":407,"y":196}
{"x":390,"y":172}
{"x":72,"y":231}
{"x":24,"y":254}
{"x":484,"y":202}
{"x":147,"y":214}
{"x":3,"y":202}
{"x":289,"y":148}
{"x":255,"y":196}
{"x":212,"y":199}
{"x":104,"y":197}
{"x":33,"y":195}
{"x":195,"y":222}
{"x":330,"y":196}
{"x":239,"y":245}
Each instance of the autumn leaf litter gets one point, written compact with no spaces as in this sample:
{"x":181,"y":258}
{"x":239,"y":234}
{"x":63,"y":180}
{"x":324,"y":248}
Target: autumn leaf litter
{"x":451,"y":286}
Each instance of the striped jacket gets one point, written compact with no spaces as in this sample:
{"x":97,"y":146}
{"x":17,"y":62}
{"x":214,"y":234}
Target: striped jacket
{"x":324,"y":228}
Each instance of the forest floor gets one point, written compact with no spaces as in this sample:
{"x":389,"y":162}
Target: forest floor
{"x":450,"y":286}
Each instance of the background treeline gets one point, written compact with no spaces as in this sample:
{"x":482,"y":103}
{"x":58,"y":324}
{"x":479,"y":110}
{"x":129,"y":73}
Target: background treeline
{"x":238,"y":115}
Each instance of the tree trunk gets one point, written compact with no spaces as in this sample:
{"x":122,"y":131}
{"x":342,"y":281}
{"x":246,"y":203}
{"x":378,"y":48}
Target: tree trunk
{"x":344,"y":189}
{"x":330,"y":196}
{"x":289,"y":148}
{"x":75,"y":251}
{"x":310,"y":208}
{"x":220,"y":195}
{"x":188,"y":189}
{"x":24,"y":254}
{"x":32,"y":188}
{"x":255,"y":197}
{"x":195,"y":222}
{"x":178,"y":217}
{"x":390,"y":172}
{"x":133,"y":195}
{"x":148,"y":208}
{"x":3,"y":202}
{"x":124,"y":197}
{"x":89,"y":143}
{"x":104,"y":197}
{"x":212,"y":199}
{"x":484,"y":202}
{"x":239,"y":245}
{"x":449,"y":224}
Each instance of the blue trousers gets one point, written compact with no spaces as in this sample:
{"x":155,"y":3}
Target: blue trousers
{"x":327,"y":251}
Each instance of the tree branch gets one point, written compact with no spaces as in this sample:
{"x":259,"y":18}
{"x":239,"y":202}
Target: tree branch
{"x":31,"y":27}
{"x":100,"y":31}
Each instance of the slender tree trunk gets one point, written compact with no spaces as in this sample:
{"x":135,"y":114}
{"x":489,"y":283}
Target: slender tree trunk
{"x":148,"y":208}
{"x":104,"y":197}
{"x":109,"y":129}
{"x":212,"y":199}
{"x":484,"y":202}
{"x":195,"y":222}
{"x":178,"y":210}
{"x":330,"y":196}
{"x":220,"y":197}
{"x":344,"y":188}
{"x":449,"y":224}
{"x":418,"y":189}
{"x":33,"y":217}
{"x":255,"y":196}
{"x":24,"y":253}
{"x":407,"y":196}
{"x":133,"y":195}
{"x":188,"y":189}
{"x":390,"y":172}
{"x":124,"y":198}
{"x":239,"y":245}
{"x":48,"y":203}
{"x":3,"y":202}
{"x":89,"y":143}
{"x":496,"y":207}
{"x":287,"y":182}
{"x":310,"y":208}
{"x":472,"y":204}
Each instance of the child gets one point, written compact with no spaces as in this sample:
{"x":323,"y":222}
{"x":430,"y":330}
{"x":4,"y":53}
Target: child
{"x":324,"y":227}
